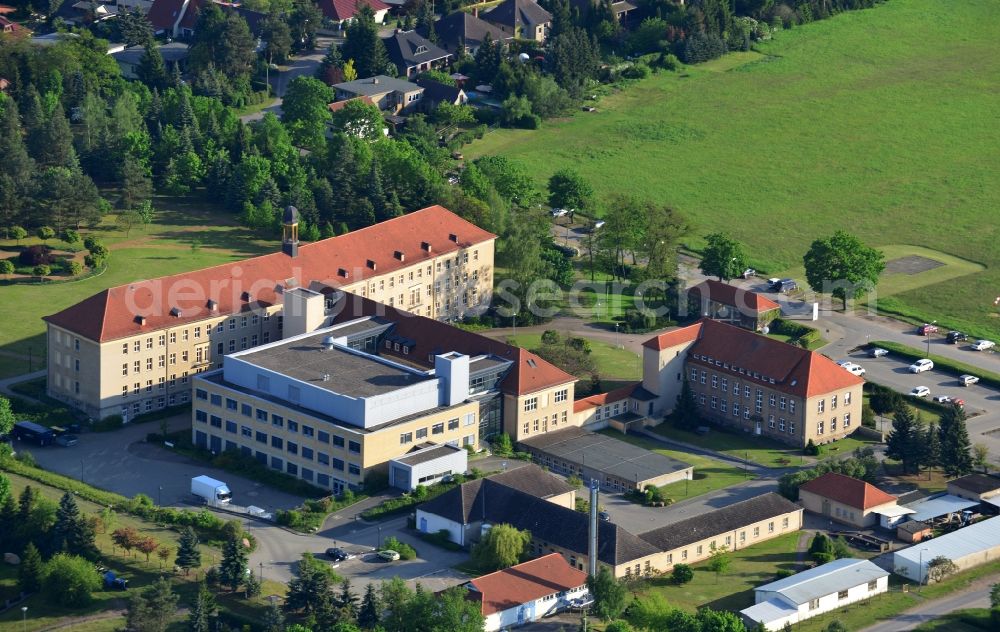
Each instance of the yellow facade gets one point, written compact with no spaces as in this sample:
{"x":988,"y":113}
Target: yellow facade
{"x":539,"y":412}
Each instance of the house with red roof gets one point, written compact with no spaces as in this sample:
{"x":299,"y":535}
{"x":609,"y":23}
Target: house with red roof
{"x":527,"y":592}
{"x":846,"y":500}
{"x":751,"y":383}
{"x":731,"y":304}
{"x":343,"y":11}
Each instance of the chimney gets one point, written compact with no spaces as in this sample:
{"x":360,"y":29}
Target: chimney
{"x":453,"y":237}
{"x":371,"y":264}
{"x":375,"y":80}
{"x":425,"y":246}
{"x":399,"y":255}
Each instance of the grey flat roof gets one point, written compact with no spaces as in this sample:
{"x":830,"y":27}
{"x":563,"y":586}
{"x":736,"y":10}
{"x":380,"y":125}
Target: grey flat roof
{"x":484,"y":363}
{"x":605,"y":454}
{"x":428,"y":454}
{"x":934,"y":506}
{"x":366,"y":324}
{"x":975,"y":538}
{"x":351,"y":374}
{"x":825,"y":580}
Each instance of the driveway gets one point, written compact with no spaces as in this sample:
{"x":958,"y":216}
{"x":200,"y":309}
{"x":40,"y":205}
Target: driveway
{"x":304,"y":64}
{"x":122,"y":462}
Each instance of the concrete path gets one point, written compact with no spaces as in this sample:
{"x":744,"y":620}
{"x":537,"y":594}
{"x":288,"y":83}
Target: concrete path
{"x":976,"y":595}
{"x":5,"y":384}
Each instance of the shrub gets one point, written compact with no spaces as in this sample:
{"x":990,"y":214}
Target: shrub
{"x":35,"y":256}
{"x":636,"y":71}
{"x":6,"y":267}
{"x":811,"y":449}
{"x":111,"y":422}
{"x":406,"y":552}
{"x":783,"y":573}
{"x":682,"y":574}
{"x":69,"y":580}
{"x":550,"y":337}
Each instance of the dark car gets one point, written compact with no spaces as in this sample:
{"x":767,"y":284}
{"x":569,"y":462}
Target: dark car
{"x":67,"y":440}
{"x":338,"y":554}
{"x":955,"y":337}
{"x":604,"y":516}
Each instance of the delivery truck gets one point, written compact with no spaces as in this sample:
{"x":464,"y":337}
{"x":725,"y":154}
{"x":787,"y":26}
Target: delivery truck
{"x":211,"y":491}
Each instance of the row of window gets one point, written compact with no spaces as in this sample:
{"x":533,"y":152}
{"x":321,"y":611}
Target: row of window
{"x":276,"y":442}
{"x":531,"y":403}
{"x":699,"y":550}
{"x":71,"y":341}
{"x":161,"y":383}
{"x":154,"y":403}
{"x":722,"y":383}
{"x":319,"y":478}
{"x":820,"y":426}
{"x":278,"y":421}
{"x":542,"y":424}
{"x":821,"y":404}
{"x":435,"y":429}
{"x":195,"y":332}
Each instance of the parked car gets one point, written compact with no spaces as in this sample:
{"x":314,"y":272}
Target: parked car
{"x":560,"y":212}
{"x":581,"y":602}
{"x":851,"y":367}
{"x":338,"y":554}
{"x":67,"y":440}
{"x":389,"y":555}
{"x":983,"y":345}
{"x":955,"y":337}
{"x":878,"y":352}
{"x":942,"y":399}
{"x":784,"y":285}
{"x":920,"y":391}
{"x":749,"y":273}
{"x":921,"y":365}
{"x":957,"y":403}
{"x":926,"y":330}
{"x":599,"y":224}
{"x":967,"y":380}
{"x":604,"y":516}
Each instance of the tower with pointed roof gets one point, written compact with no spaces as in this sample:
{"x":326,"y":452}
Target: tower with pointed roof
{"x":290,"y":231}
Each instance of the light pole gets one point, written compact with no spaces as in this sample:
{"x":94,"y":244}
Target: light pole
{"x":927,"y":335}
{"x":262,"y":572}
{"x":379,"y":537}
{"x":24,"y":617}
{"x":159,"y":496}
{"x":920,"y":569}
{"x":617,"y":338}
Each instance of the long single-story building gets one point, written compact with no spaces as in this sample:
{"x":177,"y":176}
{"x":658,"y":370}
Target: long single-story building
{"x":469,"y":510}
{"x":618,"y":465}
{"x":814,"y":592}
{"x":732,"y":527}
{"x":527,"y":592}
{"x":846,"y":500}
{"x":968,"y":547}
{"x":978,"y":487}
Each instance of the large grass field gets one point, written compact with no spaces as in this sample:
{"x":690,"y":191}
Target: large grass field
{"x":185,"y":236}
{"x":881,"y":122}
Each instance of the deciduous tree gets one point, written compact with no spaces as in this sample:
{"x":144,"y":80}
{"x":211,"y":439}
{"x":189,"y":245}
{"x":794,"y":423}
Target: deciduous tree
{"x":608,"y":593}
{"x":569,"y":190}
{"x":70,"y":580}
{"x":502,"y":547}
{"x":723,"y":257}
{"x":843,"y":266}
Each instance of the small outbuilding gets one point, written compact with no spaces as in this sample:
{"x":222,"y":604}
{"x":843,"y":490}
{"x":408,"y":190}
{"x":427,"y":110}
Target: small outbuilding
{"x":845,"y":499}
{"x":427,"y":464}
{"x":913,"y":531}
{"x":814,"y":592}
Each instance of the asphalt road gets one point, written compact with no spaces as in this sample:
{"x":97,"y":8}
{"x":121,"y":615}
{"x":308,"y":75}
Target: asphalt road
{"x":977,"y":595}
{"x":304,"y":64}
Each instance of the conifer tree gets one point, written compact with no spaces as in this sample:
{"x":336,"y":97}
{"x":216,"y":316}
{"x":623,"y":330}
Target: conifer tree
{"x":954,"y":438}
{"x":368,"y":614}
{"x":234,"y":563}
{"x":905,"y":442}
{"x":188,"y":554}
{"x":29,"y":573}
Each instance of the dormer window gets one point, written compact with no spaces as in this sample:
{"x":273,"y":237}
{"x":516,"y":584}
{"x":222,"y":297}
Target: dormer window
{"x":421,"y":49}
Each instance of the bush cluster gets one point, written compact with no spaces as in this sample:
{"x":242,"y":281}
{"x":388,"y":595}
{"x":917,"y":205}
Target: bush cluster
{"x":406,"y":552}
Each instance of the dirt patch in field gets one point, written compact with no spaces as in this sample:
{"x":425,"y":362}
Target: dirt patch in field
{"x":911,"y":264}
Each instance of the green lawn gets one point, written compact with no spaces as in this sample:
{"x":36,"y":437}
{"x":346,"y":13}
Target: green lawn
{"x":972,"y":620}
{"x":880,"y":121}
{"x":187,"y":235}
{"x":751,"y":567}
{"x":756,"y":449}
{"x":612,"y":362}
{"x":709,"y":474}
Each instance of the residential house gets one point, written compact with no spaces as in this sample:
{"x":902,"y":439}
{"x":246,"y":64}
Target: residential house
{"x":846,"y":500}
{"x":730,"y":304}
{"x":436,"y":93}
{"x":521,"y":19}
{"x":752,"y":383}
{"x":177,"y":18}
{"x":413,"y":54}
{"x":732,"y":527}
{"x":814,"y":592}
{"x":173,"y":53}
{"x":527,"y":592}
{"x":10,"y":27}
{"x":468,"y":511}
{"x":464,"y":30}
{"x":133,"y":348}
{"x":620,"y":8}
{"x":341,"y":12}
{"x":142,"y":6}
{"x":391,"y":95}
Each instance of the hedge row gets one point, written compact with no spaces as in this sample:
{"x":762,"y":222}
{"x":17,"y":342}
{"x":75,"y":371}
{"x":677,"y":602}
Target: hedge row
{"x":945,"y":364}
{"x":209,"y":526}
{"x":404,"y":503}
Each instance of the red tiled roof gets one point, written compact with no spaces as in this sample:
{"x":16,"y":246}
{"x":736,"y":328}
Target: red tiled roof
{"x":601,"y":399}
{"x":340,"y":10}
{"x":674,"y":337}
{"x":527,"y":582}
{"x":743,"y":300}
{"x":111,"y":314}
{"x":849,"y":491}
{"x":163,"y":13}
{"x":339,"y":105}
{"x":529,"y":373}
{"x":795,"y":370}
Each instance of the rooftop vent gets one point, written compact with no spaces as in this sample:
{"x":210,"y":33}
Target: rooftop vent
{"x":425,"y":246}
{"x":343,"y":272}
{"x":140,"y":320}
{"x":328,"y":343}
{"x":175,"y":312}
{"x":532,"y":364}
{"x":326,"y":377}
{"x":453,"y":237}
{"x":212,"y":305}
{"x":399,"y":255}
{"x":371,"y":264}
